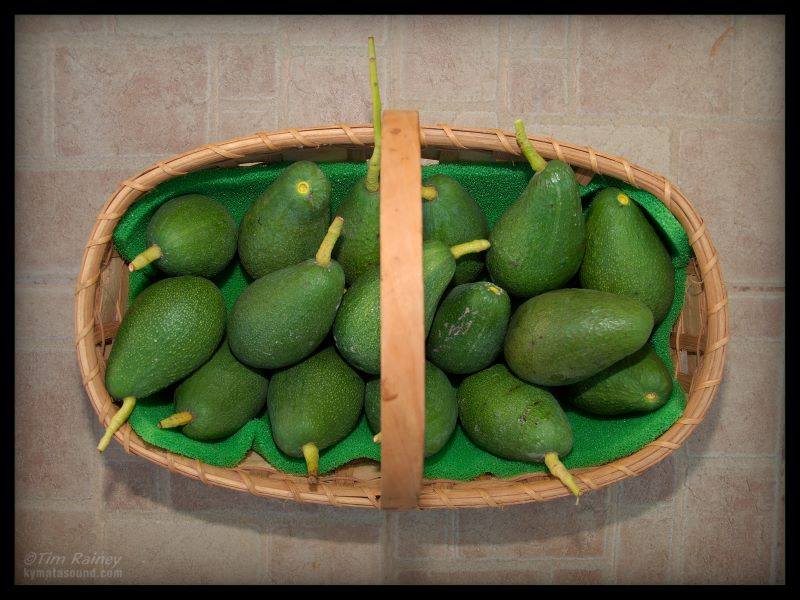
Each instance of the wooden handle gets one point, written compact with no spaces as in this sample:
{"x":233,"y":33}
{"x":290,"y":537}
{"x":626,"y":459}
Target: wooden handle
{"x":402,"y":310}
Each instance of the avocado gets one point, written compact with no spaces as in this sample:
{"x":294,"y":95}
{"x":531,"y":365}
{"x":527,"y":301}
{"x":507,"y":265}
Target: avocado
{"x":285,"y":315}
{"x":469,"y":327}
{"x":639,"y":383}
{"x":286,"y":224}
{"x":356,"y":329}
{"x":358,"y":248}
{"x":515,"y":420}
{"x":563,"y":336}
{"x":189,"y":235}
{"x":314,"y":404}
{"x":452,"y":216}
{"x":441,"y":408}
{"x":171,"y":329}
{"x":625,"y":255}
{"x":218,"y":399}
{"x":539,"y":241}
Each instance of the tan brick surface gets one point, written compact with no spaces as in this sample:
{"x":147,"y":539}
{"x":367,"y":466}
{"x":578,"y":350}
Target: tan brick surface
{"x":700,"y":99}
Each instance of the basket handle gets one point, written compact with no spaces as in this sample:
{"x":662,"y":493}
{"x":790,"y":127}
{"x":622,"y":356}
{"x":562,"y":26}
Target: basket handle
{"x":402,"y":310}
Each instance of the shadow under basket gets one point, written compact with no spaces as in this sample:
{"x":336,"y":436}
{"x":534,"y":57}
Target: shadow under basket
{"x":697,"y":342}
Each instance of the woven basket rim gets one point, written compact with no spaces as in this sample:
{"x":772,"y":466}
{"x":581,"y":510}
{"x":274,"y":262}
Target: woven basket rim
{"x":363,"y":489}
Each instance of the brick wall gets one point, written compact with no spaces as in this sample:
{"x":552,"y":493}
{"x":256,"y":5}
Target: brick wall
{"x":699,"y":99}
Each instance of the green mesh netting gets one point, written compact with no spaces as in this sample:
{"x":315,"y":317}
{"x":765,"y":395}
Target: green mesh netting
{"x":495,"y":187}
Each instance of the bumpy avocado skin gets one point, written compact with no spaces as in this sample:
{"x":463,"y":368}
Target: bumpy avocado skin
{"x":285,"y":315}
{"x":624,"y":254}
{"x":563,"y":336}
{"x":171,"y":329}
{"x":441,"y":408}
{"x":197,"y":236}
{"x":286,"y":224}
{"x":358,"y":246}
{"x":510,"y":418}
{"x":539,"y":241}
{"x":356,"y":329}
{"x":317,"y":401}
{"x":469,"y":327}
{"x":454,"y":217}
{"x":639,"y":383}
{"x":222,"y":396}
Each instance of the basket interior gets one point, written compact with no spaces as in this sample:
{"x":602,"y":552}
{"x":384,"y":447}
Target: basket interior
{"x":597,"y":441}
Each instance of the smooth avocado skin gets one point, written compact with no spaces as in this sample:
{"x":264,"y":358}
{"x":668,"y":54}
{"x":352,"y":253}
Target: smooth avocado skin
{"x":286,"y":224}
{"x":358,"y":246}
{"x":285,"y":315}
{"x":511,"y":418}
{"x":222,"y":396}
{"x":625,"y":255}
{"x":563,"y":336}
{"x":639,"y":383}
{"x":469,"y":327}
{"x":539,"y":241}
{"x":441,"y":408}
{"x":171,"y":329}
{"x":356,"y":330}
{"x":196,"y":235}
{"x":454,"y":217}
{"x":317,"y":401}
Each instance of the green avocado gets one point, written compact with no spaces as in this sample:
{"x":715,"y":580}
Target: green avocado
{"x":189,"y":235}
{"x":639,"y":383}
{"x":625,"y":255}
{"x":286,"y":224}
{"x":219,"y":398}
{"x":172,"y":328}
{"x":539,"y":241}
{"x":285,"y":315}
{"x":469,"y":327}
{"x":356,"y":329}
{"x":515,"y":420}
{"x":313,"y":405}
{"x":441,"y":408}
{"x":453,"y":217}
{"x":358,"y":248}
{"x":563,"y":336}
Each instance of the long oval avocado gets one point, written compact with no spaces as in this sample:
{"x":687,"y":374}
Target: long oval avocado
{"x":313,"y":405}
{"x":441,"y":408}
{"x":356,"y":329}
{"x":285,"y":315}
{"x":539,"y":241}
{"x":358,"y":248}
{"x":639,"y":383}
{"x":189,"y":235}
{"x":563,"y":336}
{"x":453,"y":217}
{"x":286,"y":224}
{"x":469,"y":327}
{"x":220,"y":397}
{"x":171,"y":329}
{"x":624,"y":254}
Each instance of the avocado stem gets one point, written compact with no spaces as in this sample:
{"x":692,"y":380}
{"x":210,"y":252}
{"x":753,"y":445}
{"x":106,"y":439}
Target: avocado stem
{"x":559,"y":470}
{"x":323,"y":257}
{"x":534,"y":158}
{"x":128,"y":402}
{"x":460,"y":250}
{"x":311,"y":454}
{"x":377,"y":438}
{"x":145,"y":258}
{"x":429,"y":193}
{"x":176,"y":420}
{"x":373,"y":169}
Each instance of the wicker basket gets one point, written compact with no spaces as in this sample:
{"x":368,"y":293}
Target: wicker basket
{"x":697,"y":342}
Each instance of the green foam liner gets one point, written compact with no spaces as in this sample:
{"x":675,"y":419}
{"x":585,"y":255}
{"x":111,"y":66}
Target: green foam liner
{"x":495,"y":186}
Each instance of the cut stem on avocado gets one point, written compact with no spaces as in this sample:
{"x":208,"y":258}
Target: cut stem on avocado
{"x":117,"y":421}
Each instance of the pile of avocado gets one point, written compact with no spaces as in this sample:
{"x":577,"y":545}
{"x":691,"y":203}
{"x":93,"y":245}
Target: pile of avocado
{"x":552,"y":305}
